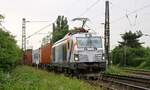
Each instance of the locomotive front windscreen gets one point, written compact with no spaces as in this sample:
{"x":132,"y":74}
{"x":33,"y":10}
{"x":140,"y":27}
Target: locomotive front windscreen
{"x":89,"y":42}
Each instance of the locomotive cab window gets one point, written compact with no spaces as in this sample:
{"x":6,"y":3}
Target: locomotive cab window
{"x":89,"y":42}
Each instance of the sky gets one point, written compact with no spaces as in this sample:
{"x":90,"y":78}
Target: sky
{"x":125,"y":15}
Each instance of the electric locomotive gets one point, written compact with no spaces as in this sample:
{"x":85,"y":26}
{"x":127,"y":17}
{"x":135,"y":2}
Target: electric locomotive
{"x":81,"y":52}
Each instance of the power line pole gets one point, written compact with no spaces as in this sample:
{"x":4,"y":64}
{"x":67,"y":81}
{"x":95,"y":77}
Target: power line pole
{"x":107,"y":33}
{"x":23,"y":34}
{"x":24,"y":38}
{"x":125,"y":53}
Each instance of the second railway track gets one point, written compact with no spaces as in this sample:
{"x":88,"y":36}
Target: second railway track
{"x":118,"y":82}
{"x":138,"y":72}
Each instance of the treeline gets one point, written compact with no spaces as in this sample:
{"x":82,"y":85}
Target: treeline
{"x":130,"y":52}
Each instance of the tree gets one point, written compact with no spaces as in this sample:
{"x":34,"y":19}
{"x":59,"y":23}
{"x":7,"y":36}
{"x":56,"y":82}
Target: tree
{"x":130,"y":51}
{"x":131,"y":39}
{"x":60,"y":28}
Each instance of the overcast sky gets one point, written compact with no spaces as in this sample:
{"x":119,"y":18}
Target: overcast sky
{"x":48,"y":10}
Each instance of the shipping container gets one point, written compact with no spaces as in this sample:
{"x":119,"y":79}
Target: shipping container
{"x":28,"y":57}
{"x":46,"y":57}
{"x":36,"y":56}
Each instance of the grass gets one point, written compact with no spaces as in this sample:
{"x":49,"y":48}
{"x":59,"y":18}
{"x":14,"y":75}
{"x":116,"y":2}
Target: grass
{"x":28,"y":78}
{"x":115,"y":70}
{"x":121,"y":70}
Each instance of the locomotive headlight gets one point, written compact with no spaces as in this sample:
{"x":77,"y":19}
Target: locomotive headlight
{"x":76,"y":57}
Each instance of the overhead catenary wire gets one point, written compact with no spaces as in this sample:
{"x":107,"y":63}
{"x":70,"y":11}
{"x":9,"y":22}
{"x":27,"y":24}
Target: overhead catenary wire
{"x":118,"y":7}
{"x":39,"y":30}
{"x":137,"y":10}
{"x":91,"y":6}
{"x":132,"y":24}
{"x":36,"y":21}
{"x":136,"y":16}
{"x":137,"y":23}
{"x":129,"y":20}
{"x":87,"y":9}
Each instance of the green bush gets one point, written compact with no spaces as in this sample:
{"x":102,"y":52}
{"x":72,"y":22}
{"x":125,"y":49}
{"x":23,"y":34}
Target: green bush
{"x":145,"y":64}
{"x":3,"y":79}
{"x":135,"y":62}
{"x":134,"y":56}
{"x":10,"y":53}
{"x":117,"y":56}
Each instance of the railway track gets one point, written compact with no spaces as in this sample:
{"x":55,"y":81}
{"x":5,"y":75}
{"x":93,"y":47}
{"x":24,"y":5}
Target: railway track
{"x":128,"y":82}
{"x":139,"y":72}
{"x":118,"y":82}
